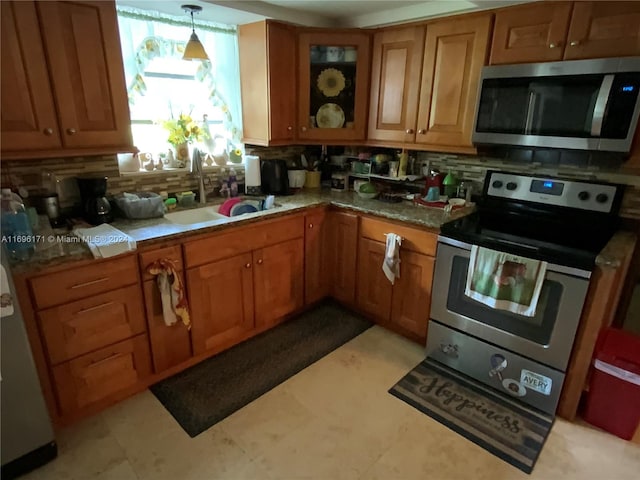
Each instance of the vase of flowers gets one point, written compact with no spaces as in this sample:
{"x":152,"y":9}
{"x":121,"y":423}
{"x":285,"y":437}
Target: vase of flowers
{"x":182,"y":132}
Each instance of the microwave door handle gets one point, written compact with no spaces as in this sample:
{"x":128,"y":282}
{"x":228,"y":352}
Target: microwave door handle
{"x":601,"y":105}
{"x":530,"y":111}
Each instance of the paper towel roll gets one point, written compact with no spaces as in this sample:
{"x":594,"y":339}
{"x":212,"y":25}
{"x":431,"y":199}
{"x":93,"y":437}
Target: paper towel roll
{"x":252,"y":180}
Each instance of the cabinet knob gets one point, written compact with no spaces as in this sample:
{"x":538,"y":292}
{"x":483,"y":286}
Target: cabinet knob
{"x":311,"y":225}
{"x":304,"y":129}
{"x":71,"y":131}
{"x":289,"y":128}
{"x":422,"y":131}
{"x":48,"y":131}
{"x":247,"y":265}
{"x":260,"y":262}
{"x":574,"y":43}
{"x":552,"y":45}
{"x":409,"y":131}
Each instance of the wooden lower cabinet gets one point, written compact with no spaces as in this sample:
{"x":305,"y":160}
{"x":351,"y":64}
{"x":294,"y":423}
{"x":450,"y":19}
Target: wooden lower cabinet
{"x":170,"y":345}
{"x":221,"y":297}
{"x":373,"y":289}
{"x":231,"y":297}
{"x":411,"y":300}
{"x":405,"y":305}
{"x":95,"y":376}
{"x":316,"y":265}
{"x":342,"y":247}
{"x":278,"y":281}
{"x":79,"y":327}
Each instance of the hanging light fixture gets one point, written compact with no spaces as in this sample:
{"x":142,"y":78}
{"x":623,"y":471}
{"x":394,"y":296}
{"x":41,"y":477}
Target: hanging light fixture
{"x":194,"y":49}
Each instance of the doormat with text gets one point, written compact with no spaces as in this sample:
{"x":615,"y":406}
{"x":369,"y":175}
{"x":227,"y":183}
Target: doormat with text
{"x":510,"y":430}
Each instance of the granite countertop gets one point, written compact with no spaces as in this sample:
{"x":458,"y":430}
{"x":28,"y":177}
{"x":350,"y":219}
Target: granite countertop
{"x":60,"y":246}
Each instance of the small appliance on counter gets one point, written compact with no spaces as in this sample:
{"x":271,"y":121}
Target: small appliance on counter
{"x":252,"y":180}
{"x":51,"y":207}
{"x":275,"y":179}
{"x":95,"y":206}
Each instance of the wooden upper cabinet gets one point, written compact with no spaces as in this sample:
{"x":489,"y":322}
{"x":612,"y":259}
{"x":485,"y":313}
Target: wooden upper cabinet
{"x":395,"y":83}
{"x":83,"y":48}
{"x":552,"y":31}
{"x":28,"y":112}
{"x":63,"y":86}
{"x":530,"y":33}
{"x":604,"y":29}
{"x":268,"y":82}
{"x":333,"y":80}
{"x":454,"y":54}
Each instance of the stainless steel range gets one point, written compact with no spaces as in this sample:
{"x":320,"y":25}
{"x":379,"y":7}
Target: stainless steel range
{"x":565,"y":223}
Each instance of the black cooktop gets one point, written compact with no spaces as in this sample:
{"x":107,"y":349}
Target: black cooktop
{"x":555,"y":238}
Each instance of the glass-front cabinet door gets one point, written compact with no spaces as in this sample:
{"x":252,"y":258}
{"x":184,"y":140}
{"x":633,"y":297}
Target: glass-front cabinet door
{"x":334,"y":77}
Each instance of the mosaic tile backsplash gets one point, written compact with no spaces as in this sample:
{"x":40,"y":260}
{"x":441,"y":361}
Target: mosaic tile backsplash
{"x":32,"y":174}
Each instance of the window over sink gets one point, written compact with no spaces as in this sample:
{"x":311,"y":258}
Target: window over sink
{"x":162,"y":87}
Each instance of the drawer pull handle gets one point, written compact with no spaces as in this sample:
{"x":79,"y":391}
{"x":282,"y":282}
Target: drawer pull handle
{"x":71,"y":131}
{"x":260,"y":262}
{"x":48,"y":131}
{"x":409,"y":131}
{"x":575,"y":43}
{"x":422,"y":131}
{"x":247,"y":265}
{"x":91,"y":309}
{"x":104,"y":360}
{"x":92,"y":282}
{"x":311,"y":225}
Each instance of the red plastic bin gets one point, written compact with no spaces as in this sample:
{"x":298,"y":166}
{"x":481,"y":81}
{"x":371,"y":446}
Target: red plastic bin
{"x":613,"y":402}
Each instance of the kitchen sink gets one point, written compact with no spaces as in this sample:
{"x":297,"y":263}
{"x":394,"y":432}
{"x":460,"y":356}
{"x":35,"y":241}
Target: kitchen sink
{"x":197,"y":215}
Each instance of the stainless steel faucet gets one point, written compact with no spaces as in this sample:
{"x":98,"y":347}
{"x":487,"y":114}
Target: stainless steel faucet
{"x":196,"y":168}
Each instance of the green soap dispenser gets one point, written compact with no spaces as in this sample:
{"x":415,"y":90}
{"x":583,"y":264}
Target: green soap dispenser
{"x":450,"y":184}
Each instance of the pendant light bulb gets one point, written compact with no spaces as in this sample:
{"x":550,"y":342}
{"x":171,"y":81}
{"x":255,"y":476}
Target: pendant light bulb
{"x":194,"y":49}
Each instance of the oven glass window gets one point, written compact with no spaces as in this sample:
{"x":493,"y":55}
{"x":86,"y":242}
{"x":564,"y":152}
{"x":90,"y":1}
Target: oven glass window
{"x":537,"y":328}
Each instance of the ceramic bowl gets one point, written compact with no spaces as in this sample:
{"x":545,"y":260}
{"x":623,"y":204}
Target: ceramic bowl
{"x":367,"y":196}
{"x":457,"y":202}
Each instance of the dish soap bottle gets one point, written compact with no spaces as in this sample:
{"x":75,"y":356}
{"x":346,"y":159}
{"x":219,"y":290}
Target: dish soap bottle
{"x":16,"y":226}
{"x":450,"y":184}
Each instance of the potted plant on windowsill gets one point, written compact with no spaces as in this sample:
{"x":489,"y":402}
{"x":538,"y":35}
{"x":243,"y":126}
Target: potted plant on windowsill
{"x":182,"y":132}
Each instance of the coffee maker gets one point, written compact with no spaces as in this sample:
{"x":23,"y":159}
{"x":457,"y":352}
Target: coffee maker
{"x":95,"y":206}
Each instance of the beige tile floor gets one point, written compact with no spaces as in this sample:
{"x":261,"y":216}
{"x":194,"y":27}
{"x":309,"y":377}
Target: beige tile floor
{"x":334,"y":420}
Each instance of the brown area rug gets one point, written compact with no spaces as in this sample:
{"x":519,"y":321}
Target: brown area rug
{"x":204,"y":394}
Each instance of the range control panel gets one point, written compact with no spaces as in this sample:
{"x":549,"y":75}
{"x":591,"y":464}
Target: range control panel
{"x":552,"y":191}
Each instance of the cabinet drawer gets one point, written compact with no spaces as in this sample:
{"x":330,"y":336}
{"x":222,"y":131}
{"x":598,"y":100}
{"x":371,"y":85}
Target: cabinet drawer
{"x":77,"y":283}
{"x":95,"y":376}
{"x":80,"y":327}
{"x":242,"y":240}
{"x":413,"y":239}
{"x":173,"y":253}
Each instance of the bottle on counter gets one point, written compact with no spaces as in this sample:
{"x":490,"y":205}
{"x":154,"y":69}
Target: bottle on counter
{"x":16,"y":226}
{"x":450,"y":184}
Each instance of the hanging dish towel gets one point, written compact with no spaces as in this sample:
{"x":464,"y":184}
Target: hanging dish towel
{"x":391,"y":262}
{"x":503,"y":281}
{"x":174,"y":302}
{"x":105,"y":241}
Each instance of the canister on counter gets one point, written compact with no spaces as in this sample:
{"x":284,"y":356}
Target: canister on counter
{"x":339,"y":181}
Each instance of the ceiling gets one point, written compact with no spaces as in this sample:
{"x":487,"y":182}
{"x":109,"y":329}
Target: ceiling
{"x":321,"y":13}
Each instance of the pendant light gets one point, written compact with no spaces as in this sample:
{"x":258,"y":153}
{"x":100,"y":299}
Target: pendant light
{"x":194,"y":49}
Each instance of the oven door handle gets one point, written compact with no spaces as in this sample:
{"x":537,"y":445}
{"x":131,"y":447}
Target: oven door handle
{"x":552,"y":267}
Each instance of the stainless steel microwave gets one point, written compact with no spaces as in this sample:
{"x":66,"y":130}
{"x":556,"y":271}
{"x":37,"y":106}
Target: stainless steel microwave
{"x":581,"y":104}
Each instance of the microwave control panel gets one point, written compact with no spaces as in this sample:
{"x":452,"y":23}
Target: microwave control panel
{"x":595,"y":197}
